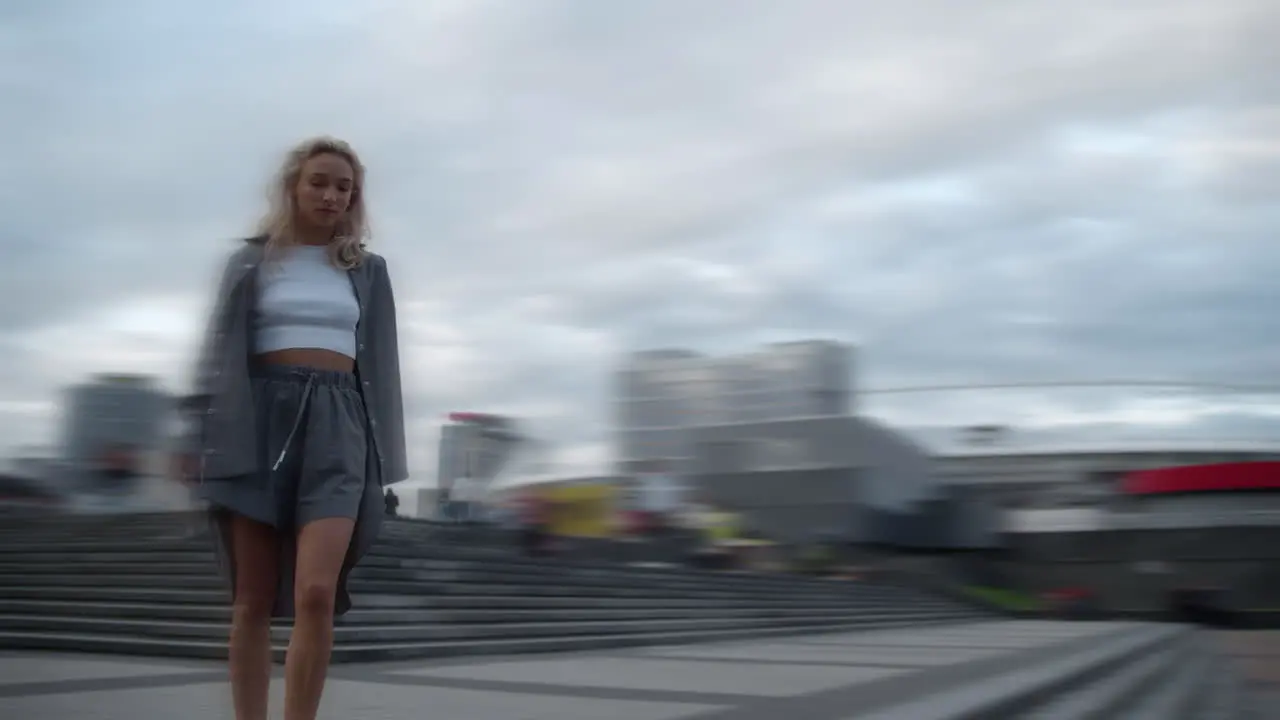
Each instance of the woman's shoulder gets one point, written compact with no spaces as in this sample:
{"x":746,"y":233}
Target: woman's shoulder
{"x":371,"y":262}
{"x":371,"y":257}
{"x":244,"y":255}
{"x":246,"y":249}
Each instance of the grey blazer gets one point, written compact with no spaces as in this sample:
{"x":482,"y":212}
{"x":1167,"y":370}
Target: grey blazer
{"x":223,"y":429}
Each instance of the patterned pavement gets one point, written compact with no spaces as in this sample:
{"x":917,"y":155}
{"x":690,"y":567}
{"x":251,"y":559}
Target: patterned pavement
{"x":816,"y":677}
{"x":1257,"y":654}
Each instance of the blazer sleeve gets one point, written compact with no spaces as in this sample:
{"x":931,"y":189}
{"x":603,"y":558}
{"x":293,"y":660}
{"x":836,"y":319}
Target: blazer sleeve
{"x":197,"y":405}
{"x":390,"y":398}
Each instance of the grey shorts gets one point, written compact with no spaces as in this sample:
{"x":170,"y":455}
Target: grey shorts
{"x":312,"y":449}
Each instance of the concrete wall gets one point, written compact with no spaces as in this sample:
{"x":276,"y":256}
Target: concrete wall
{"x":853,"y":476}
{"x":894,"y":472}
{"x":976,"y":519}
{"x":1136,"y":569}
{"x":790,"y":505}
{"x":1122,"y":586}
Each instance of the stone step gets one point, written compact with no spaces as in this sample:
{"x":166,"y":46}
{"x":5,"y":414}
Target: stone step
{"x":480,"y":573}
{"x":422,"y":591}
{"x":1114,"y":696}
{"x":407,"y":587}
{"x":378,"y":600}
{"x":1179,"y":695}
{"x":434,"y":631}
{"x":1025,"y":692}
{"x":430,"y":633}
{"x":373,"y":652}
{"x":80,"y":533}
{"x":221,"y":612}
{"x":91,"y":573}
{"x":616,"y":577}
{"x":106,"y":557}
{"x":1228,"y":696}
{"x":91,"y":585}
{"x":215,"y":595}
{"x":90,"y":551}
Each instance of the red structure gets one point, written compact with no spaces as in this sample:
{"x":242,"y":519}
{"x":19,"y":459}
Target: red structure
{"x":475,"y":417}
{"x":1222,"y":477}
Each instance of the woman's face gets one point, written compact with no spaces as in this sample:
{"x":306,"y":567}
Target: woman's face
{"x":324,"y":190}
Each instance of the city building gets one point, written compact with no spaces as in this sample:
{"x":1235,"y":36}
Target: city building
{"x":428,"y":505}
{"x":1035,"y":476}
{"x":475,"y":447}
{"x":773,"y":436}
{"x":110,"y":413}
{"x":847,"y":477}
{"x":1213,"y":524}
{"x":660,"y":396}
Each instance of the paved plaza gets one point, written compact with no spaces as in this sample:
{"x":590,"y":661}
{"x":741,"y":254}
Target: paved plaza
{"x":811,"y":677}
{"x":1257,"y":654}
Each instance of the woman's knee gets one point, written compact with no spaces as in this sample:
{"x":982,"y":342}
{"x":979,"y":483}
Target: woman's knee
{"x":322,"y":550}
{"x":252,"y":608}
{"x":315,"y":596}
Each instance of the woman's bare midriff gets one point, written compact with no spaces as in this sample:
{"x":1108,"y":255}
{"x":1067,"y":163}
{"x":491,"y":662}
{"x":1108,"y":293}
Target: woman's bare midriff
{"x":309,"y":358}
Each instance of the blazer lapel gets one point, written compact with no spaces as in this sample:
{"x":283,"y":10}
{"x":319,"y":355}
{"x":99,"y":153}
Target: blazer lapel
{"x":360,"y":283}
{"x":249,"y":261}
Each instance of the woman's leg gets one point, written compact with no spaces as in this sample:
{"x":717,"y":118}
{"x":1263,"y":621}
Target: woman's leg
{"x":256,"y":551}
{"x":322,"y":550}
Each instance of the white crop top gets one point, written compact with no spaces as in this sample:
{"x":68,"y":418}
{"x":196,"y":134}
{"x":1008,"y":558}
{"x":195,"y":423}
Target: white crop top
{"x":305,"y":302}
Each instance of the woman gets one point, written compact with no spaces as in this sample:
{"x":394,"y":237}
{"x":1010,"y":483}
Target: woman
{"x":302,"y":421}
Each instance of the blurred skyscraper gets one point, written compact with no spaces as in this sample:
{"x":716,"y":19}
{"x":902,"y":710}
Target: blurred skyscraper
{"x":475,"y":446}
{"x":111,"y":412}
{"x":661,"y":395}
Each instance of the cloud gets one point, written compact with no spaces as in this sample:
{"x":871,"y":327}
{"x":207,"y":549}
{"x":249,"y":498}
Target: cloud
{"x":1008,"y":191}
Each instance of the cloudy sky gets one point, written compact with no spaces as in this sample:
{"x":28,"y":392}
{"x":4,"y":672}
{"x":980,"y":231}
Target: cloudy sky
{"x":987,"y":191}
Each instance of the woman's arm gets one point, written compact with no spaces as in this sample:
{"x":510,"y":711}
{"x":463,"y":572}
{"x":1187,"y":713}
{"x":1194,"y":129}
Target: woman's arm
{"x":390,"y":399}
{"x":202,"y":386}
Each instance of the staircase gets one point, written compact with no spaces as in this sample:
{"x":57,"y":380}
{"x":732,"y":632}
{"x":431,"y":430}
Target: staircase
{"x":1137,"y":671}
{"x":137,"y":584}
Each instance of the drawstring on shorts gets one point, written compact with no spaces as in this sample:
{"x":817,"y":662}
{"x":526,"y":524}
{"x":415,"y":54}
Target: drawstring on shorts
{"x":297,"y":419}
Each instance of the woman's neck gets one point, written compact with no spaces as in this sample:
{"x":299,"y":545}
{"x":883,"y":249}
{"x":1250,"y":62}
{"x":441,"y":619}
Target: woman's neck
{"x":318,"y":236}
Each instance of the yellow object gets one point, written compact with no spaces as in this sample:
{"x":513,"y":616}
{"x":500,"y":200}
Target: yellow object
{"x":748,"y":543}
{"x":721,"y":526}
{"x":586,"y":510}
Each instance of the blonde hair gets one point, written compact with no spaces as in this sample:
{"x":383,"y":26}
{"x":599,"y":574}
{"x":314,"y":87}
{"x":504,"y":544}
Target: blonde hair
{"x":347,"y":249}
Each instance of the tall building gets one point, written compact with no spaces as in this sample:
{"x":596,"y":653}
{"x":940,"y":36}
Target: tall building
{"x":660,"y":396}
{"x":475,"y":446}
{"x":111,"y":412}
